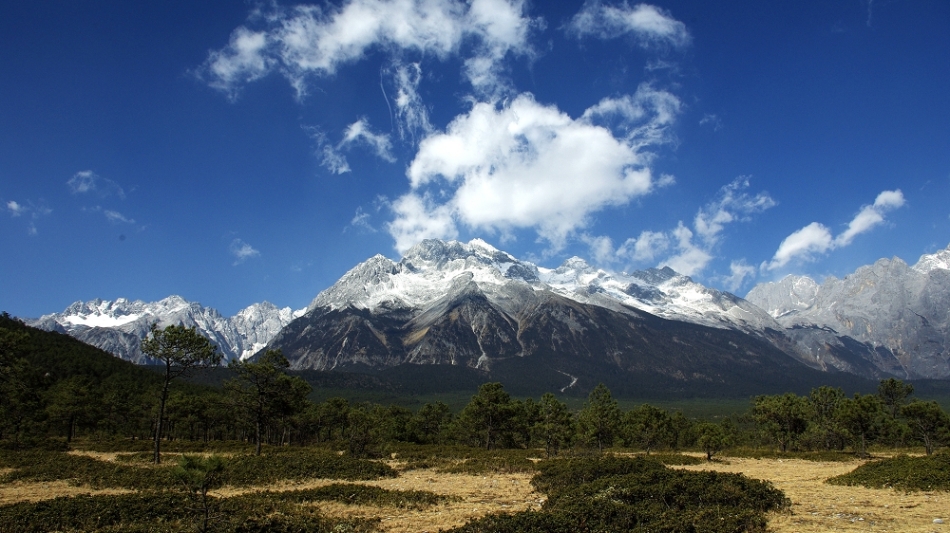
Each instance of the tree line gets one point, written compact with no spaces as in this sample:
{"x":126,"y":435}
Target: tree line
{"x":54,"y":386}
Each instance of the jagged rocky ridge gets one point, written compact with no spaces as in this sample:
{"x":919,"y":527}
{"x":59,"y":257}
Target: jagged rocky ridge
{"x":119,"y":326}
{"x":899,"y":313}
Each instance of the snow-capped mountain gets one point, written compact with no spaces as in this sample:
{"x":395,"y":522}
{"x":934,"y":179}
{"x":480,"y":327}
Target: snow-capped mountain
{"x":119,"y":326}
{"x":432,"y":268}
{"x":902,"y":311}
{"x":471,"y":305}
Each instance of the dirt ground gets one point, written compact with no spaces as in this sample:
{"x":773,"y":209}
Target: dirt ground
{"x":816,"y":506}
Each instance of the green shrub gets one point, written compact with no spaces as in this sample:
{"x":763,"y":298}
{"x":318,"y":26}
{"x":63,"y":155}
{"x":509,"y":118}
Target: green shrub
{"x":524,"y":522}
{"x":171,"y":512}
{"x":93,"y":513}
{"x":560,"y":473}
{"x":902,"y":473}
{"x":676,"y":459}
{"x":594,"y":495}
{"x":82,"y":470}
{"x":820,"y":456}
{"x":490,"y":465}
{"x":265,"y":469}
{"x":356,"y":494}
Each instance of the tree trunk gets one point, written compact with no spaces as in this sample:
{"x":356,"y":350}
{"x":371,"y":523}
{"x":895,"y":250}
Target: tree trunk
{"x":161,"y":415}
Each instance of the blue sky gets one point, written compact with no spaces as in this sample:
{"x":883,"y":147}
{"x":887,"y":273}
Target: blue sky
{"x":235,"y":152}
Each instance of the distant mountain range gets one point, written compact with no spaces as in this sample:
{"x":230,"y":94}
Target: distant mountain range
{"x":470,"y":305}
{"x":901,"y":311}
{"x":119,"y":326}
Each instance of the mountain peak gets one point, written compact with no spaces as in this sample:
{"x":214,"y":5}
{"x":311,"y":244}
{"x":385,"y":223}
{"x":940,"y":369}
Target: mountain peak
{"x":936,"y":261}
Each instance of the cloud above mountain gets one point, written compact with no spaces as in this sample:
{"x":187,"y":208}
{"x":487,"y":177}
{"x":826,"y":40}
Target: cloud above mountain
{"x":816,"y":239}
{"x":523,"y":164}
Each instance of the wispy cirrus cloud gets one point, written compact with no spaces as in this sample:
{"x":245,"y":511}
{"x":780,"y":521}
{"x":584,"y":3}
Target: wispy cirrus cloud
{"x":359,"y":133}
{"x":29,"y":210}
{"x":411,"y":114}
{"x":816,"y":239}
{"x":308,"y":41}
{"x":650,"y":25}
{"x":88,"y":182}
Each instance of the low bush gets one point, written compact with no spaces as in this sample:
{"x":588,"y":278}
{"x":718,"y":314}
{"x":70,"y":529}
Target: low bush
{"x":820,"y":456}
{"x":247,"y":470}
{"x":594,"y":495}
{"x":902,"y":473}
{"x":356,"y":494}
{"x":243,"y":470}
{"x":467,"y":460}
{"x":170,"y":512}
{"x":676,"y":459}
{"x":95,"y":513}
{"x":42,"y":466}
{"x":490,"y":465}
{"x":559,"y":473}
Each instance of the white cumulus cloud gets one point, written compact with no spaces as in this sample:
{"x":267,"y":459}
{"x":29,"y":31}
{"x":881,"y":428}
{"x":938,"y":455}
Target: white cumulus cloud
{"x":418,"y":218}
{"x":523,"y":164}
{"x":816,"y":239}
{"x":688,"y":251}
{"x":309,"y":40}
{"x":650,"y":25}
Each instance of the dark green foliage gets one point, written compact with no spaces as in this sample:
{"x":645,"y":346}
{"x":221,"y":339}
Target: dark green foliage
{"x":647,"y":427}
{"x":243,"y":470}
{"x":524,"y":522}
{"x":484,"y":464}
{"x":178,"y":349}
{"x":96,"y":513}
{"x":599,"y":420}
{"x":863,"y":417}
{"x":712,"y":438}
{"x":198,"y":475}
{"x":819,"y":456}
{"x":487,"y":420}
{"x":906,"y":473}
{"x":297,"y":465}
{"x":169,"y":512}
{"x":676,"y":459}
{"x":607,"y":494}
{"x":355,"y":494}
{"x":928,"y":423}
{"x":559,"y":473}
{"x":783,"y":418}
{"x":265,"y":393}
{"x":37,"y":465}
{"x":554,"y":427}
{"x":466,"y":460}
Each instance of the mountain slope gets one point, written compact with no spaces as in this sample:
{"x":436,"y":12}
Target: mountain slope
{"x":470,"y":305}
{"x":901,"y":312}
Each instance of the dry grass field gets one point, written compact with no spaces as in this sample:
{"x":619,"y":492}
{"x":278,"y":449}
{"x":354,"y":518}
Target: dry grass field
{"x":816,"y":506}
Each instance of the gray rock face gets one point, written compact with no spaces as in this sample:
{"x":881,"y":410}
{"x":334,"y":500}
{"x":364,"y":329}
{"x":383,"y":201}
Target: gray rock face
{"x":120,"y":326}
{"x":901,"y":312}
{"x":470,"y":304}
